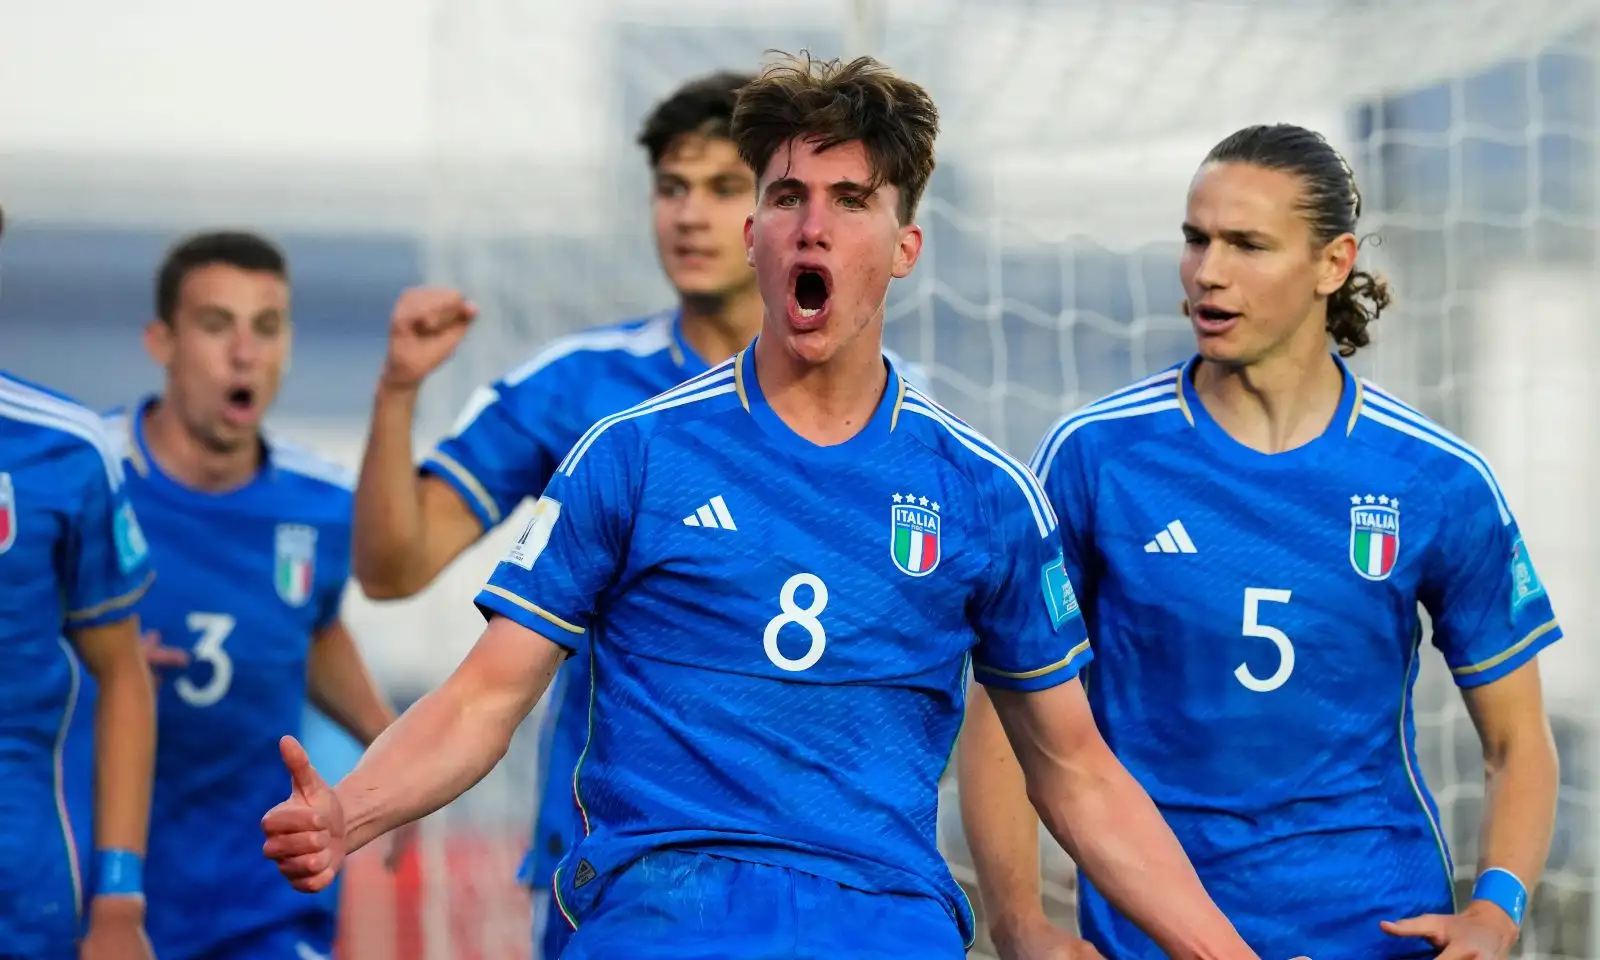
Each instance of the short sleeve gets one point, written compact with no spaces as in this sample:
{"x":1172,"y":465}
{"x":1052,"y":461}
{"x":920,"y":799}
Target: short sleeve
{"x":1490,"y":611}
{"x":334,"y":580}
{"x":105,"y":563}
{"x":568,"y":555}
{"x":1031,"y":634}
{"x":503,"y":448}
{"x":1062,"y":470}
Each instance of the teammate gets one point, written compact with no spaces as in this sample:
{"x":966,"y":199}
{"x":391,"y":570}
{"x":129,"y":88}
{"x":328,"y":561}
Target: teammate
{"x":513,"y":433}
{"x":251,"y":536}
{"x":773,"y":693}
{"x":1252,"y":533}
{"x":72,"y":563}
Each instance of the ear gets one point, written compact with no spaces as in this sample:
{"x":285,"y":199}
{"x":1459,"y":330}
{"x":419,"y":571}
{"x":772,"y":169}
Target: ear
{"x":750,"y":239}
{"x":1337,"y":260}
{"x":158,"y":341}
{"x":1183,"y":306}
{"x":907,"y":251}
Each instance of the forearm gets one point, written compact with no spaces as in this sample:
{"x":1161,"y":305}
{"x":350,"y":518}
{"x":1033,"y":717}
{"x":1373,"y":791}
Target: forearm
{"x":389,"y":546}
{"x":1001,"y":825}
{"x":125,"y":746}
{"x":339,"y":685}
{"x":1522,"y":779}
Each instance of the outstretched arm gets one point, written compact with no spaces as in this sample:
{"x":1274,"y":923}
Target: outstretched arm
{"x":450,"y":738}
{"x":1108,"y":824}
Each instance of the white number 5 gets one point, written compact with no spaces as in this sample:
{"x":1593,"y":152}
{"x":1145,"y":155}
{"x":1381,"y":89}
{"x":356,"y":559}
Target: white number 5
{"x":214,"y":629}
{"x":1253,"y":627}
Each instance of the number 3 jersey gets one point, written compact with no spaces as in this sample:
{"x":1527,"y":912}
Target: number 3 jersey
{"x":779,"y":633}
{"x":243,"y":581}
{"x":1256,"y":627}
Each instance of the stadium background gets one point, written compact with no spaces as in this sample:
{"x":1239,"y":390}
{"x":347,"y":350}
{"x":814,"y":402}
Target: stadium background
{"x":487,"y":143}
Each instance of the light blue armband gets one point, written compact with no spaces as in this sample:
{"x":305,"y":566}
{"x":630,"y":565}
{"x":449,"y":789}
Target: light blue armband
{"x":121,"y":874}
{"x":1502,"y":888}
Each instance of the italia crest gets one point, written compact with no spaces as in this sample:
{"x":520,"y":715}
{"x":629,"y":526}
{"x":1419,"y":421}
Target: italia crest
{"x":1374,"y":535}
{"x":296,"y":564}
{"x":8,"y":513}
{"x":914,"y":534}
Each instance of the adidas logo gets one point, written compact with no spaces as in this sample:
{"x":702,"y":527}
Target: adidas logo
{"x":713,"y":514}
{"x":1174,"y":539}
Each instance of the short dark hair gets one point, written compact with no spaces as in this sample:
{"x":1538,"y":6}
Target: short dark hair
{"x":830,"y":103}
{"x":233,"y":248}
{"x":703,"y":106}
{"x":1331,"y":203}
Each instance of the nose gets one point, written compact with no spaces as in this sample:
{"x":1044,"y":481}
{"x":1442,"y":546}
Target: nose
{"x":245,"y":350}
{"x":693,"y":210}
{"x":1211,"y":268}
{"x":815,"y":227}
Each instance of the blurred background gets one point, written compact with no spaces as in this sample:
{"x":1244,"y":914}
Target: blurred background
{"x":488,"y":144}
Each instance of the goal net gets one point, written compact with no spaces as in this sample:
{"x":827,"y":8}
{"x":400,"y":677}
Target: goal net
{"x":1071,"y":128}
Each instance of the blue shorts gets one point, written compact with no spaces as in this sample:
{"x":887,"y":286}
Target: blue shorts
{"x":305,"y":938}
{"x":674,"y":905}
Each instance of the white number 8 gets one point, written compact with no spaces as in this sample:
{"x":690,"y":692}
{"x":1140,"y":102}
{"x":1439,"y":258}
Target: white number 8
{"x":1253,"y":627}
{"x":804,"y":618}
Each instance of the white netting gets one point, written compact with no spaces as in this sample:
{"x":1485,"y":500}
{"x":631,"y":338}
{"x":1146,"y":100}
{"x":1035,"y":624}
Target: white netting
{"x":1071,"y":129}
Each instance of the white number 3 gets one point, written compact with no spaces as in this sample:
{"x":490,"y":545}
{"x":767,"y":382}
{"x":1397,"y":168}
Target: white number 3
{"x":802,"y":617}
{"x":1253,"y":627}
{"x":214,"y":629}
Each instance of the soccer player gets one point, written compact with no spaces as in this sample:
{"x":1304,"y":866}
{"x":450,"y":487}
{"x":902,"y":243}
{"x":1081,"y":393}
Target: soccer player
{"x":251,"y":536}
{"x":774,"y":694}
{"x":72,"y":564}
{"x":410,"y":524}
{"x":1252,"y":533}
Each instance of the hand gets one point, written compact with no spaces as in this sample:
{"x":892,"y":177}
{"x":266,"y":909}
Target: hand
{"x":401,"y":840}
{"x":116,"y":931}
{"x":1482,"y":931}
{"x":1039,"y":939}
{"x":161,"y":657}
{"x":305,"y":833}
{"x":424,"y":330}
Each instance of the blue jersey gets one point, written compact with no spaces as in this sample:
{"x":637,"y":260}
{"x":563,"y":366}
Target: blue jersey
{"x":1255,"y":620}
{"x":247,"y":578}
{"x":71,"y":556}
{"x":504,"y":449}
{"x":778,"y":633}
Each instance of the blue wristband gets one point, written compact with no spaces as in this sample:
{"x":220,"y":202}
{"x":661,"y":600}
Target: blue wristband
{"x":121,"y":874}
{"x":1502,"y":888}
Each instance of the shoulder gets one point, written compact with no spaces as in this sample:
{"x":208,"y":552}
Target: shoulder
{"x":575,"y":353}
{"x":311,"y":479}
{"x":1002,"y":480}
{"x":1144,"y":408}
{"x":1400,"y":430}
{"x":710,"y":394}
{"x":61,"y":423}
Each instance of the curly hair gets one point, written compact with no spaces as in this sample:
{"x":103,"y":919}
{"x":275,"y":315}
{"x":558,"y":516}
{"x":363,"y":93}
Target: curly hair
{"x":1331,"y":203}
{"x":830,"y":103}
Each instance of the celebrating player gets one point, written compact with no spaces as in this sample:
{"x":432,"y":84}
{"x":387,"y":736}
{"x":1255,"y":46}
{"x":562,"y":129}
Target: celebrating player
{"x":1252,"y":533}
{"x":774,"y":695}
{"x":513,"y":433}
{"x":251,"y":537}
{"x":73,"y":563}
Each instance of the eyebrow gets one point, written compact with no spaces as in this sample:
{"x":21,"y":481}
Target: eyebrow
{"x":838,"y":188}
{"x":1232,"y":236}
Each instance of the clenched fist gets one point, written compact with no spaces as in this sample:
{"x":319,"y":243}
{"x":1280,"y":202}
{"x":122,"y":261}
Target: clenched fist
{"x":305,"y":833}
{"x":426,"y":327}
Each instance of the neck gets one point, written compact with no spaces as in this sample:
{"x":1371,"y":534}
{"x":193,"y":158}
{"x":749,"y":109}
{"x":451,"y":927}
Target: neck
{"x":1275,"y":404}
{"x":826,"y":403}
{"x":188,"y":460}
{"x":716,"y":328}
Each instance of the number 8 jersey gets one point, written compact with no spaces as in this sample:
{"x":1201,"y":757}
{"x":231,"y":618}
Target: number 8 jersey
{"x":1255,"y":620}
{"x":779,"y":633}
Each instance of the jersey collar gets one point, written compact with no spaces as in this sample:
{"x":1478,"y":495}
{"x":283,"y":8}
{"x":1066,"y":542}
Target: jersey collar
{"x":690,"y":362}
{"x":145,"y":465}
{"x":1339,"y":427}
{"x":877,"y":429}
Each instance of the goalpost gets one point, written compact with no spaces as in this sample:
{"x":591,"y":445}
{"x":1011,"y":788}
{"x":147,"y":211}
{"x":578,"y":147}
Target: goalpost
{"x":1070,"y":130}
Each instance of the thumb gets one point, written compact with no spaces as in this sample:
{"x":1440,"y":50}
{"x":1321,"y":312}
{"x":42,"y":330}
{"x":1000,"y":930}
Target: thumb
{"x":302,"y":775}
{"x":1430,"y":927}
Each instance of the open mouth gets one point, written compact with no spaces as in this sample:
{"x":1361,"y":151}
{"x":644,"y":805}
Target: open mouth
{"x":1213,"y":315}
{"x":241,"y":399}
{"x":810,"y":292}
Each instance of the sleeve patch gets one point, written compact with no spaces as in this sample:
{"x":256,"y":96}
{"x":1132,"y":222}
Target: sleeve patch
{"x":536,"y":535}
{"x":1058,"y":595}
{"x":131,"y":545}
{"x":1525,"y":583}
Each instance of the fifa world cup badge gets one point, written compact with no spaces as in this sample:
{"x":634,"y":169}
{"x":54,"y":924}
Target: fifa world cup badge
{"x":1374,"y":535}
{"x":8,"y":513}
{"x":914,"y":534}
{"x":296,"y":565}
